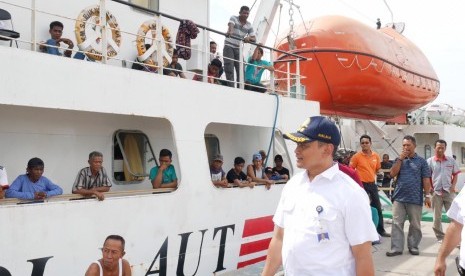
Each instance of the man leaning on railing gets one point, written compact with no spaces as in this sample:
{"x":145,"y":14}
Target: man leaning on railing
{"x":254,"y":71}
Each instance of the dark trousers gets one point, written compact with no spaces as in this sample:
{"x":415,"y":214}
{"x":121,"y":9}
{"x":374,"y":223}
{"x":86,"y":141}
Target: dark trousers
{"x":372,"y":191}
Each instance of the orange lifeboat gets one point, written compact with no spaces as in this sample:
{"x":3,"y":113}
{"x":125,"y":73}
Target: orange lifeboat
{"x":357,"y":71}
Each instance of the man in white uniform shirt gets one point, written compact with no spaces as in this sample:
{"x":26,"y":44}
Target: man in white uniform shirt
{"x":323,"y":221}
{"x":454,"y":235}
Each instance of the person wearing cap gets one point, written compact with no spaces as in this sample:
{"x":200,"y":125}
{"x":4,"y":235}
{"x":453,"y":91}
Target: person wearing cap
{"x":323,"y":220}
{"x":279,"y":169}
{"x":367,"y":163}
{"x":33,"y":185}
{"x":237,"y":177}
{"x":3,"y":182}
{"x":216,"y":171}
{"x":272,"y":175}
{"x":164,"y":176}
{"x":256,"y":171}
{"x":213,"y":72}
{"x":263,"y":154}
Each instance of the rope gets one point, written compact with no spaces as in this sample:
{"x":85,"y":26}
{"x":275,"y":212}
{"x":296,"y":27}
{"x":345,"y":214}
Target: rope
{"x":274,"y":127}
{"x":251,"y":8}
{"x":357,"y":11}
{"x":303,"y":21}
{"x":279,"y":24}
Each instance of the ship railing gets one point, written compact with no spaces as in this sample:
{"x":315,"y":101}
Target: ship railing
{"x":110,"y":194}
{"x":293,"y":79}
{"x":204,"y":53}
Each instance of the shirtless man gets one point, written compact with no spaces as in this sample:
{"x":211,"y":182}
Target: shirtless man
{"x":112,"y":262}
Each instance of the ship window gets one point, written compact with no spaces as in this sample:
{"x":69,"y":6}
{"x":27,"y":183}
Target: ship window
{"x":463,"y":155}
{"x":213,"y":146}
{"x":427,"y":151}
{"x":279,"y":147}
{"x":148,"y":4}
{"x":231,"y":141}
{"x":132,"y":157}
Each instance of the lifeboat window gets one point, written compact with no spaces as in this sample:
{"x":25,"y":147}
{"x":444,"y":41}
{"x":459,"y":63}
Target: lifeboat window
{"x":132,"y":156}
{"x":213,"y":146}
{"x":148,"y":4}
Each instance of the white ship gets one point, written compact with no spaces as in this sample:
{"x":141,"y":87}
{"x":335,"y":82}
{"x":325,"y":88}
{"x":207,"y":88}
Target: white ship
{"x":60,"y":109}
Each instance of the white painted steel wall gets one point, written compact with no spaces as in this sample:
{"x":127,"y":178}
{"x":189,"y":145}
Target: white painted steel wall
{"x":129,"y":20}
{"x":47,"y":98}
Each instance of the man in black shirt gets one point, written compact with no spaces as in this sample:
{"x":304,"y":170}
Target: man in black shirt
{"x":278,"y":160}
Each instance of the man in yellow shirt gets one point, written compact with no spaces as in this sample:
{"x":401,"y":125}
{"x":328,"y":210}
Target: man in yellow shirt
{"x":367,"y":163}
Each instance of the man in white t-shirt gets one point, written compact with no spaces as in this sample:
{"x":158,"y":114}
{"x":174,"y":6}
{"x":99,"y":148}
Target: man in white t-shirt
{"x":323,"y":221}
{"x":3,"y":181}
{"x":454,"y":235}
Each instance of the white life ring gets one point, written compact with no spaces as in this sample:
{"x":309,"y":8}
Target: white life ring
{"x":148,"y":56}
{"x":89,"y":33}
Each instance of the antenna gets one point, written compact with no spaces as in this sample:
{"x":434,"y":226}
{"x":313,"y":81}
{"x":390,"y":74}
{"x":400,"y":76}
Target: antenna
{"x":392,"y":15}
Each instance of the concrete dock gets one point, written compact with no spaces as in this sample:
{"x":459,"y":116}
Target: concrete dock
{"x":405,"y":264}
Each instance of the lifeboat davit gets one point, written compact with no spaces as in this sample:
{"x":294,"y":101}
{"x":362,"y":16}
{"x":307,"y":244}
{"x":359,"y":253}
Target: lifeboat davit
{"x":358,"y":71}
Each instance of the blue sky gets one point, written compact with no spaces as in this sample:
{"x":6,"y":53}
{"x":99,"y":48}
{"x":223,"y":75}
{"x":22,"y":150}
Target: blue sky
{"x":436,"y":27}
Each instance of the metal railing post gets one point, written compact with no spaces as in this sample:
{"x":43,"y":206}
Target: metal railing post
{"x":205,"y":54}
{"x":33,"y":26}
{"x":241,"y":66}
{"x":288,"y":66}
{"x":297,"y":72}
{"x":158,"y":40}
{"x":103,"y":29}
{"x":272,"y":75}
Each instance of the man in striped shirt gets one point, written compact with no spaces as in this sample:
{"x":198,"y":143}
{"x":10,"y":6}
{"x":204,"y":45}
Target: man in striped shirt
{"x":92,"y":180}
{"x":238,"y":29}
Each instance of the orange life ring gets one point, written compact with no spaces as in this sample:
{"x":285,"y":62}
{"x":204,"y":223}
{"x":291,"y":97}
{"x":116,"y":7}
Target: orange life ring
{"x":148,"y":56}
{"x":89,"y":34}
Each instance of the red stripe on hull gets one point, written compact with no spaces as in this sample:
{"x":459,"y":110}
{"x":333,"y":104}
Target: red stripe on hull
{"x":253,"y":247}
{"x":258,"y":226}
{"x":250,"y":262}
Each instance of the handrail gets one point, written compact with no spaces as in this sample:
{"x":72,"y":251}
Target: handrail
{"x":203,"y":27}
{"x":159,"y":42}
{"x":72,"y":197}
